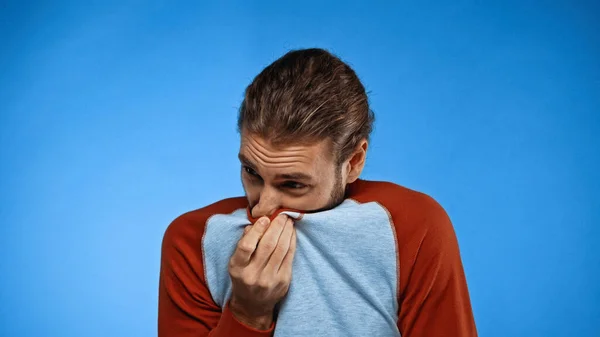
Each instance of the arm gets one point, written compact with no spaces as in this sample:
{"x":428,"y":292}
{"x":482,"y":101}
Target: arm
{"x":434,"y":299}
{"x":185,"y":306}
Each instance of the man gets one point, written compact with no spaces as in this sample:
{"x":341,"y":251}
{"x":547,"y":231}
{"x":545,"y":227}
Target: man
{"x":312,"y":250}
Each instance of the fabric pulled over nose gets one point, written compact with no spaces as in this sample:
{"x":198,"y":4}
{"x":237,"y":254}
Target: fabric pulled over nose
{"x":292,"y":213}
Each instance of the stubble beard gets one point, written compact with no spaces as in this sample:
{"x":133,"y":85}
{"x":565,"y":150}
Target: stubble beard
{"x":338,"y":194}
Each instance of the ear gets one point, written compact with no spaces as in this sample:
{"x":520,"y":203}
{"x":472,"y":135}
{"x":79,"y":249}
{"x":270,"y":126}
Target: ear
{"x":356,"y":163}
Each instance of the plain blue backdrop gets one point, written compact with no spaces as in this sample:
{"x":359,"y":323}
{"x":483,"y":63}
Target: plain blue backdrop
{"x":117,"y":117}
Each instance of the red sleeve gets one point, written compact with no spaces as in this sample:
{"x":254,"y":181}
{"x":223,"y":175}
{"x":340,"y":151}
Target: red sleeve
{"x":432,"y":290}
{"x":433,"y":295}
{"x":185,"y":306}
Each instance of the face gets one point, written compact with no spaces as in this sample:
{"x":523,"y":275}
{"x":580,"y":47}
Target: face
{"x":301,"y":177}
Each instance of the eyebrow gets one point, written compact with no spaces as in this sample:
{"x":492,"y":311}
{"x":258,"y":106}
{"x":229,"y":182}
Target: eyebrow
{"x":284,"y":176}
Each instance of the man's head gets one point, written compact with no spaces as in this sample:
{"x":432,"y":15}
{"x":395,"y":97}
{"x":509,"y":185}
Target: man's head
{"x":304,"y":123}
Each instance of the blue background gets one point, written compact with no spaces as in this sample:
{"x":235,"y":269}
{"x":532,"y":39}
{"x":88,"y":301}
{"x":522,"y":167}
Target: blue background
{"x":117,"y":117}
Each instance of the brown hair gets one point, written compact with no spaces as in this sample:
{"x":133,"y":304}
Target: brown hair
{"x":305,"y":96}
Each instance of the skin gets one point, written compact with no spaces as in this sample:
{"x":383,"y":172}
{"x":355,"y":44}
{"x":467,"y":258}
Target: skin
{"x":302,"y":177}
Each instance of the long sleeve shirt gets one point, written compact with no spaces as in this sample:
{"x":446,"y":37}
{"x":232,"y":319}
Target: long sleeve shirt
{"x":385,"y":262}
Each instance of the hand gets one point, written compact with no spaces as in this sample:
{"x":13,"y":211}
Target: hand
{"x":261,"y":270}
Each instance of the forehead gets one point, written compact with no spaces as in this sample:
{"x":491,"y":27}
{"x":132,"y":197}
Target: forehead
{"x":309,"y":158}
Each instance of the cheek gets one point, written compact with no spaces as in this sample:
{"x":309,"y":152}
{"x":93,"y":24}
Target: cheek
{"x":315,"y":200}
{"x":252,"y":190}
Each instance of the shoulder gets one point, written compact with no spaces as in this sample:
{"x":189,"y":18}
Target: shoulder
{"x":403,"y":204}
{"x":187,"y":229}
{"x":422,"y":227}
{"x":419,"y":221}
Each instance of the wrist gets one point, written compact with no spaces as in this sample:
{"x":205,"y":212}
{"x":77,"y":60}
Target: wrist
{"x":251,"y":318}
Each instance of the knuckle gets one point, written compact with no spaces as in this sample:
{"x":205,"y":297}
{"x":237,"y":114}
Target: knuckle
{"x":234,"y":274}
{"x":282,"y":284}
{"x":264,"y":283}
{"x":245,"y":247}
{"x":248,"y":277}
{"x":269,"y":245}
{"x":282,"y":219}
{"x":283,"y":245}
{"x":280,"y":251}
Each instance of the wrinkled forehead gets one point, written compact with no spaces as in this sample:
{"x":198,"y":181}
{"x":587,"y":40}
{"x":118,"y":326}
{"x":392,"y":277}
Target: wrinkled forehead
{"x":310,"y":158}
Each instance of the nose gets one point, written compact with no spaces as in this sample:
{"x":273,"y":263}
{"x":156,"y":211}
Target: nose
{"x":268,"y":203}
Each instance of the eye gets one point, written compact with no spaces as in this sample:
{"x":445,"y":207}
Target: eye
{"x":251,"y":172}
{"x":293,"y":185}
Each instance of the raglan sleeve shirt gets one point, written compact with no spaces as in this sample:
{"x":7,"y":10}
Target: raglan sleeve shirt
{"x":432,"y":290}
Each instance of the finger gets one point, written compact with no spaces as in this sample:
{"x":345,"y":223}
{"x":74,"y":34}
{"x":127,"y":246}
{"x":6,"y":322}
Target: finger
{"x":283,"y":245}
{"x":247,"y":229}
{"x":267,"y":244}
{"x":247,"y":244}
{"x":286,"y":264}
